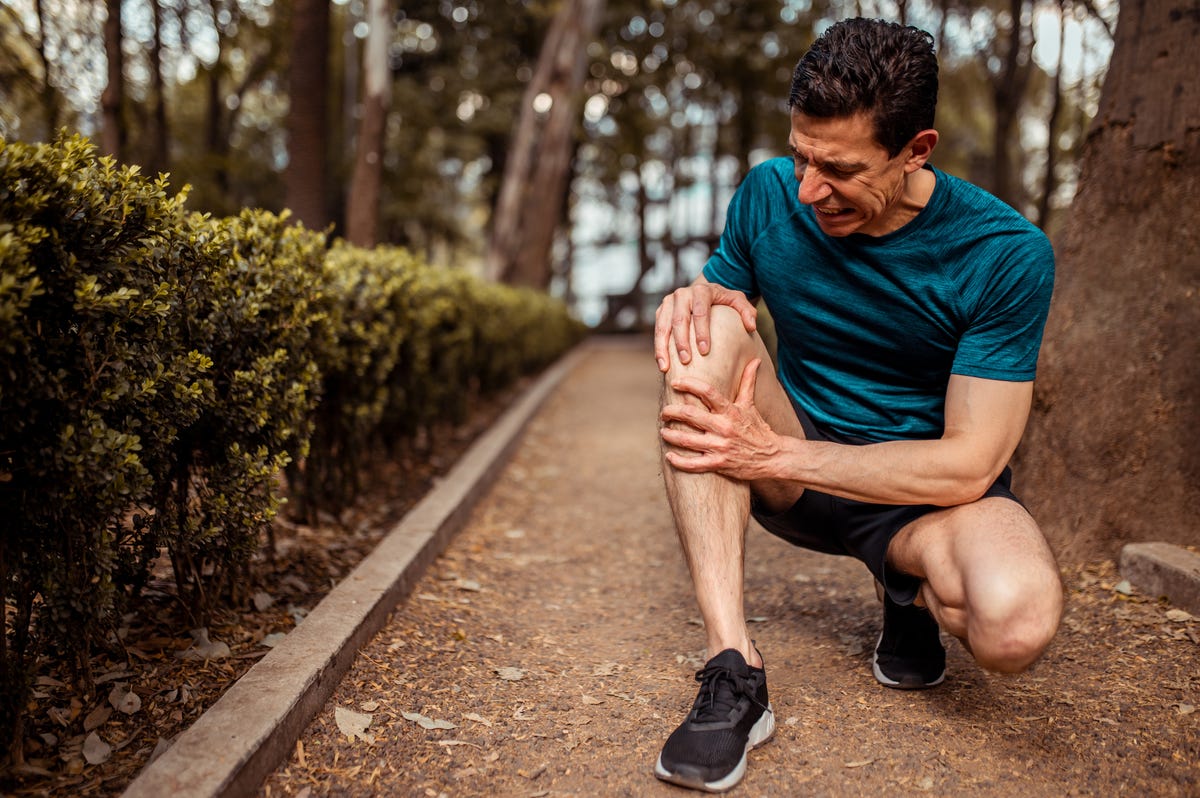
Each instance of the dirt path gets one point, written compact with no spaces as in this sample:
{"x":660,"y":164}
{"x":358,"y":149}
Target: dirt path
{"x":559,"y":635}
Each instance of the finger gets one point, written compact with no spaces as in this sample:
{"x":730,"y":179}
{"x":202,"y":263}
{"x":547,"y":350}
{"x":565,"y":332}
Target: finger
{"x":700,"y":306}
{"x":692,"y":464}
{"x":713,"y":399}
{"x":662,"y":332}
{"x":690,"y":415}
{"x":745,"y":391}
{"x":681,"y":324}
{"x":749,"y":317}
{"x":684,"y":439}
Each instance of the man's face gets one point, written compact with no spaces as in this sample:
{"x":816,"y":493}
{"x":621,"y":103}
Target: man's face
{"x":847,"y":177}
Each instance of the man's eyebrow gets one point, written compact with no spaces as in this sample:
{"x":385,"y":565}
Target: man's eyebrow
{"x":840,"y":166}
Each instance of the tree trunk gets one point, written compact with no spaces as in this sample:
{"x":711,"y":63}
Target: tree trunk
{"x":1008,"y":95}
{"x":112,"y":100}
{"x":309,"y":75}
{"x":362,"y":206}
{"x":159,"y":160}
{"x":49,"y":94}
{"x":1112,"y":455}
{"x":1050,"y":178}
{"x":529,"y":206}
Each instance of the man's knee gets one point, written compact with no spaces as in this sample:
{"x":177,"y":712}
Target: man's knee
{"x":1013,"y":620}
{"x":730,"y":345}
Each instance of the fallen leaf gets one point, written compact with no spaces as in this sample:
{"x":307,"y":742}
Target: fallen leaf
{"x":96,"y":750}
{"x":1123,"y":587}
{"x":1184,"y":709}
{"x":112,"y":676}
{"x":606,"y":669}
{"x":510,"y":674}
{"x":124,"y":699}
{"x":469,"y":585}
{"x":96,"y":717}
{"x":587,"y":699}
{"x":477,"y":718}
{"x":273,"y":639}
{"x":203,"y":648}
{"x":369,"y":706}
{"x":757,"y":619}
{"x":427,"y":723}
{"x":1178,"y":615}
{"x":263,"y":600}
{"x":860,"y":763}
{"x":353,"y":724}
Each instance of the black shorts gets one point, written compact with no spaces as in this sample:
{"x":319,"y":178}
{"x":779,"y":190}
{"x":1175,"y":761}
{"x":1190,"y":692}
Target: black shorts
{"x":834,"y":525}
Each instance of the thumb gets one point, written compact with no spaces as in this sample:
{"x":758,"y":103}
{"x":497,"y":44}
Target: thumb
{"x":745,"y":391}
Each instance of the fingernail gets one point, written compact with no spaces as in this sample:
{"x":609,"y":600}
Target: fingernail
{"x":703,"y":347}
{"x":662,"y":364}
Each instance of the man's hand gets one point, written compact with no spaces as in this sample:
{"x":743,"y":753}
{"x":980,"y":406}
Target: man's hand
{"x":688,"y":307}
{"x":728,"y":437}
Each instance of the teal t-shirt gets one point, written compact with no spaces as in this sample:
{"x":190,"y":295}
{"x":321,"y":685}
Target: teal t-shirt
{"x":871,"y":328}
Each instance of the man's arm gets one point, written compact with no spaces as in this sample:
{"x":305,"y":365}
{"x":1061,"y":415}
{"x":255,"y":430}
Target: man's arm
{"x":689,"y":306}
{"x":984,"y":422}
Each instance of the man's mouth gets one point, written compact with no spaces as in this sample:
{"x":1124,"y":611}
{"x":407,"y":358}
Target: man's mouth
{"x":831,"y":211}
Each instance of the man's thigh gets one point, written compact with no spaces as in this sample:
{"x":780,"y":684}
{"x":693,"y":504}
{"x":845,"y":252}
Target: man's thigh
{"x":978,"y":562}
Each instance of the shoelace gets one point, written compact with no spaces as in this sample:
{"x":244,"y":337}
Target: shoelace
{"x":714,"y":703}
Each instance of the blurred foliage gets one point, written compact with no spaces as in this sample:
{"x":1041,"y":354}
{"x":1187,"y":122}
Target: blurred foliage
{"x":159,"y":368}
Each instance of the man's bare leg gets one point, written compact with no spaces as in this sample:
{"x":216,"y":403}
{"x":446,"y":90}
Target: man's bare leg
{"x":711,"y":511}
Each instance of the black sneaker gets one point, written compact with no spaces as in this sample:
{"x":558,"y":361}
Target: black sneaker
{"x":731,"y":715}
{"x":909,"y":654}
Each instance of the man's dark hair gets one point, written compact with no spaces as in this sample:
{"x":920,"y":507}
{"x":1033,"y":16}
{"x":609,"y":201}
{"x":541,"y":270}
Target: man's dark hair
{"x":872,"y":66}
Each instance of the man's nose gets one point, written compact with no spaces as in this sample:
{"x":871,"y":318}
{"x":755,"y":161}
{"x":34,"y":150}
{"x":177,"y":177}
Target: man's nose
{"x":813,"y":187}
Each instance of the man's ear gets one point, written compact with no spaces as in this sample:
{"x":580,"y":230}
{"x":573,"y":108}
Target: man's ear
{"x":919,"y":149}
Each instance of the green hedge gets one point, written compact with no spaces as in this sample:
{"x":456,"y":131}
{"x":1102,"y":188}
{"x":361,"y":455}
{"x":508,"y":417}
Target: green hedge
{"x":159,"y":368}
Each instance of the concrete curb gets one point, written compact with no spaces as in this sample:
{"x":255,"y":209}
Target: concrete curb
{"x":1163,"y":569}
{"x":244,"y":736}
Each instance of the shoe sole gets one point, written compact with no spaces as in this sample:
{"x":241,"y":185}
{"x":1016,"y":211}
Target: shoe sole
{"x":895,"y":685}
{"x":760,"y":732}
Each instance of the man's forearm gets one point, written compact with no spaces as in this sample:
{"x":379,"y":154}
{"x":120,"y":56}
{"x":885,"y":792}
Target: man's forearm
{"x":944,"y":472}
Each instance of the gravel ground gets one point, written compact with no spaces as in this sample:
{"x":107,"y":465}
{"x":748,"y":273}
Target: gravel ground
{"x":551,"y":649}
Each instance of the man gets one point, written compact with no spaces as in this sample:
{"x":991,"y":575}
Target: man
{"x":909,"y":308}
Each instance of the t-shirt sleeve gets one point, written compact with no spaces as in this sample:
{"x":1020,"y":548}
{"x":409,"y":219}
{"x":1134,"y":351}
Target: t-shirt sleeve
{"x":1008,"y":308}
{"x":731,"y":264}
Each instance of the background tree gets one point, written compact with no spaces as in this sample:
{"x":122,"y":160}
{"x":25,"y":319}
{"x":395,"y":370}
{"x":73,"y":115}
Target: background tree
{"x":530,"y":202}
{"x":1111,"y":454}
{"x":112,"y":101}
{"x":362,"y":202}
{"x":307,"y":118}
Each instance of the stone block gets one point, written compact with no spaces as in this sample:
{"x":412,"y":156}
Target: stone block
{"x":1164,"y":569}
